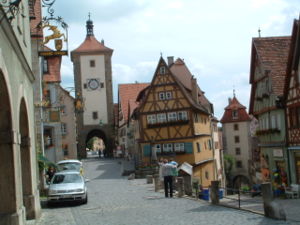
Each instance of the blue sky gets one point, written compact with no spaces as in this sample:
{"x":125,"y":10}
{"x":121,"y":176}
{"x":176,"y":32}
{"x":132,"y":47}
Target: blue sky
{"x":213,"y":37}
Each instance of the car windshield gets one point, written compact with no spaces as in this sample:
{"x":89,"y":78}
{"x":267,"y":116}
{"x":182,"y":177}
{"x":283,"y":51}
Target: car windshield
{"x":69,"y":166}
{"x":66,"y":178}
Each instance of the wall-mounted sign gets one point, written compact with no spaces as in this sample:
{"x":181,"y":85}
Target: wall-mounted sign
{"x":277,"y":152}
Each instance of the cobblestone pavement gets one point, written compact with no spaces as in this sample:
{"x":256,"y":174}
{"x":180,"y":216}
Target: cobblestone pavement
{"x":114,"y":200}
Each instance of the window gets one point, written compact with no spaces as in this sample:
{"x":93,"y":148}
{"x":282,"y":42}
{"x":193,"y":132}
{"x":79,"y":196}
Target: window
{"x":236,"y":139}
{"x":161,"y":118}
{"x":172,"y":116}
{"x":206,"y":175}
{"x":95,"y":115}
{"x":101,"y":85}
{"x":151,"y":119}
{"x":198,"y":147}
{"x":162,"y":70}
{"x":182,"y":115}
{"x":168,"y":95}
{"x":161,"y":96}
{"x":234,"y":114}
{"x":196,"y":118}
{"x":237,"y":151}
{"x":167,"y":147}
{"x":210,"y":144}
{"x":236,"y":126}
{"x":45,"y":65}
{"x":239,"y":164}
{"x":92,"y":63}
{"x":179,"y":147}
{"x":63,"y":128}
{"x":157,"y":148}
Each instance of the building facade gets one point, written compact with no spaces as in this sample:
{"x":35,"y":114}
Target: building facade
{"x":237,"y":142}
{"x":292,"y":100}
{"x":267,"y":75}
{"x":19,"y":183}
{"x":93,"y":83}
{"x":175,"y":120}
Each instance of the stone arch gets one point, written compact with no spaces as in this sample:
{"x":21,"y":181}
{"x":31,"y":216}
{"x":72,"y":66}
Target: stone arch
{"x":238,"y":180}
{"x":8,"y":191}
{"x":96,"y":133}
{"x":26,"y":168}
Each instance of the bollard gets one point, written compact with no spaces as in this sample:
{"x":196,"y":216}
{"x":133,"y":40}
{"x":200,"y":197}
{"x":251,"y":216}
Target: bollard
{"x":180,"y":186}
{"x":149,"y":179}
{"x":271,"y":208}
{"x":156,"y":183}
{"x":214,"y":192}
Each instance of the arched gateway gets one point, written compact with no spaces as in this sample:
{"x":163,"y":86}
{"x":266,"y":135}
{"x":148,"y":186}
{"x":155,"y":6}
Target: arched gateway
{"x":93,"y":85}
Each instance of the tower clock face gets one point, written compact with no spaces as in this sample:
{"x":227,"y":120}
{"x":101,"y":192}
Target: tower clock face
{"x":93,"y":84}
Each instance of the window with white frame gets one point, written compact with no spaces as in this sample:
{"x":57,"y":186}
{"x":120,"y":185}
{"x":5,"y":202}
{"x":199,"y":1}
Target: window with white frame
{"x":179,"y":147}
{"x":161,"y":118}
{"x":168,"y":95}
{"x":172,"y":116}
{"x":63,"y":128}
{"x":182,"y":115}
{"x":162,"y":70}
{"x":151,"y":119}
{"x":157,"y":148}
{"x":161,"y":96}
{"x":235,"y":114}
{"x":168,"y":147}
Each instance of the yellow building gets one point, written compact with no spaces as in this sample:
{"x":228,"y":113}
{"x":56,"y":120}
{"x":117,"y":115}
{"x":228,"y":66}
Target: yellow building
{"x":175,"y":120}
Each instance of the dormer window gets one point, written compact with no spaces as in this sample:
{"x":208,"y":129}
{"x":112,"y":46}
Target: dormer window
{"x":162,"y":70}
{"x":161,"y":95}
{"x":235,"y":114}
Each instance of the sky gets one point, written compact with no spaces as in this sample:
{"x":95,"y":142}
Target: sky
{"x":213,"y":37}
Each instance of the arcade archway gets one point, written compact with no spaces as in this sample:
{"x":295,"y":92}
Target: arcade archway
{"x":95,"y":143}
{"x":26,"y":162}
{"x":8,"y":194}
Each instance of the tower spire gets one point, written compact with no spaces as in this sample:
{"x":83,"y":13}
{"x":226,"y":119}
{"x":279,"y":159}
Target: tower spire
{"x":89,"y":27}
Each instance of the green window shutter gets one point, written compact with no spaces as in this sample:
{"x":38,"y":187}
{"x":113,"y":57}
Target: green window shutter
{"x":188,"y":147}
{"x":147,"y":150}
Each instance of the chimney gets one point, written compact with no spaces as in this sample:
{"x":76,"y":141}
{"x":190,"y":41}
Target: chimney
{"x":170,"y":60}
{"x":102,"y":41}
{"x":194,"y":89}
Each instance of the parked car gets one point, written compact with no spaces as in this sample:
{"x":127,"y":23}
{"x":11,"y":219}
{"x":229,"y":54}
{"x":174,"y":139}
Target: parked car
{"x":67,"y":186}
{"x":70,"y":164}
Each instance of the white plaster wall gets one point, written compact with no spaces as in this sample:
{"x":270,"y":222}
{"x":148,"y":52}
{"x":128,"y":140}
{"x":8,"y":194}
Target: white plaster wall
{"x":244,"y":144}
{"x":94,"y":100}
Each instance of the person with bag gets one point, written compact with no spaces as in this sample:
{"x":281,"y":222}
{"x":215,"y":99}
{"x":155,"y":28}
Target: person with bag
{"x":167,"y":172}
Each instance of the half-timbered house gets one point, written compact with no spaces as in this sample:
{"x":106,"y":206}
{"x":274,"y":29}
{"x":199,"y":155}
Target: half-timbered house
{"x":292,"y":99}
{"x":175,"y":120}
{"x":267,"y":74}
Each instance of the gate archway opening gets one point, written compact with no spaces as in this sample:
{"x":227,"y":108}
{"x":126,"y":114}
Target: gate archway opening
{"x":96,"y":143}
{"x":8,"y":195}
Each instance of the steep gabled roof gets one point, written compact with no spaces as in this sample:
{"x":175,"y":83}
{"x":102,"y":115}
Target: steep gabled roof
{"x":294,"y":55}
{"x":271,"y":53}
{"x":184,"y":76}
{"x":127,"y":94}
{"x":235,"y":105}
{"x":91,"y":44}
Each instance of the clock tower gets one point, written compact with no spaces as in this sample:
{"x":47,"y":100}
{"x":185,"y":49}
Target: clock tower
{"x":93,"y":90}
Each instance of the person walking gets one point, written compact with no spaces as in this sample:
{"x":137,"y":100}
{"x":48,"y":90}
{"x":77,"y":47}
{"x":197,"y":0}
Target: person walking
{"x":167,"y":172}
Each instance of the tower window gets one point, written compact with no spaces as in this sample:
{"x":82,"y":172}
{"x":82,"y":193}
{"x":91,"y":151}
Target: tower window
{"x":101,"y":85}
{"x":236,"y":127}
{"x":236,"y":139}
{"x":239,"y":164}
{"x":237,"y":151}
{"x":92,"y":63}
{"x":162,"y":70}
{"x":95,"y":115}
{"x":235,"y":114}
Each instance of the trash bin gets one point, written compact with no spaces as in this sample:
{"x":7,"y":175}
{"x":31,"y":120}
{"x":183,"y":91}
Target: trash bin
{"x":205,"y":194}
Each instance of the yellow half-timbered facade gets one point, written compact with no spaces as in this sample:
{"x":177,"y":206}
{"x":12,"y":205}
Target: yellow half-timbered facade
{"x":175,"y":120}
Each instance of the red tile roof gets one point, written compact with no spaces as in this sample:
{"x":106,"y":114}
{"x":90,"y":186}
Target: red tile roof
{"x":91,"y":44}
{"x":273,"y":55}
{"x":184,"y":76}
{"x":241,"y":112}
{"x":127,"y":97}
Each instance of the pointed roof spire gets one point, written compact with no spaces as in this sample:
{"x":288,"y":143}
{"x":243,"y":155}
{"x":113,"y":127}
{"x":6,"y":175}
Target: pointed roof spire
{"x":259,"y":32}
{"x":233,"y":92}
{"x":89,"y":27}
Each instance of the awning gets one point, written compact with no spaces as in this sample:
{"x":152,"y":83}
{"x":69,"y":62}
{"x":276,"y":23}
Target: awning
{"x":203,"y":161}
{"x":186,"y":167}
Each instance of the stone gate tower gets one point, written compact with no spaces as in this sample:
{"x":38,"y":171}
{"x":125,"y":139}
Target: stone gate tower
{"x":93,"y":85}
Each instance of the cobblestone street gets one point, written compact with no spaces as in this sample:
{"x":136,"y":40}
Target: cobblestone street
{"x":114,"y":200}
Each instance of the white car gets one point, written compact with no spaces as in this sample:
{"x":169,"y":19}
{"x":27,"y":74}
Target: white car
{"x":67,"y":186}
{"x":70,"y":164}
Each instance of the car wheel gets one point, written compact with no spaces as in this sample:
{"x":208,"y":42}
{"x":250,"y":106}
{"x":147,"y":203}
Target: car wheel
{"x":85,"y":201}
